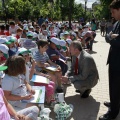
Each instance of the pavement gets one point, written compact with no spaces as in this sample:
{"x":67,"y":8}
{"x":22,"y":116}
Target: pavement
{"x":92,"y":107}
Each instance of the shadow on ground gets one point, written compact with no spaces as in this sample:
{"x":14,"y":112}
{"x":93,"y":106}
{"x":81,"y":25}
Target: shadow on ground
{"x":86,"y":108}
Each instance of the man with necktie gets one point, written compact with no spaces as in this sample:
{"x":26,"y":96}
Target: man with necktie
{"x":114,"y":65}
{"x":83,"y":72}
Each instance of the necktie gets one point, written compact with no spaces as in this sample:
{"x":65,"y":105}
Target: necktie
{"x":76,"y":66}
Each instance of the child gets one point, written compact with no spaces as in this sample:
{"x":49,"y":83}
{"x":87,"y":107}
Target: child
{"x":6,"y":109}
{"x":12,"y":45}
{"x":30,"y":70}
{"x":42,"y":61}
{"x":3,"y":50}
{"x":16,"y":88}
{"x":19,"y":33}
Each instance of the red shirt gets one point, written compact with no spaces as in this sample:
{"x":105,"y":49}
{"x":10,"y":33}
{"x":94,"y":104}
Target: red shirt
{"x":7,"y":33}
{"x":2,"y":33}
{"x":17,"y":36}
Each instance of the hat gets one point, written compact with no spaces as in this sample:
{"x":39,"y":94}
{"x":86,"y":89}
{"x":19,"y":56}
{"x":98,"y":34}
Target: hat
{"x":31,"y":27}
{"x":69,"y":41}
{"x":35,"y":35}
{"x":30,"y":34}
{"x":3,"y":40}
{"x":25,"y":21}
{"x":66,"y":33}
{"x":4,"y":48}
{"x":11,"y":39}
{"x":55,"y":40}
{"x":25,"y":28}
{"x":3,"y":68}
{"x":22,"y":50}
{"x":73,"y":34}
{"x":62,"y":43}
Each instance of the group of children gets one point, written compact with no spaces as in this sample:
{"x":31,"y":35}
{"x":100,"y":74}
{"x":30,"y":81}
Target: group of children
{"x":26,"y":49}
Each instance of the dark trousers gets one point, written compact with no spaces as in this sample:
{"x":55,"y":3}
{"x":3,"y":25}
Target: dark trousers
{"x":63,"y":66}
{"x":114,"y":91}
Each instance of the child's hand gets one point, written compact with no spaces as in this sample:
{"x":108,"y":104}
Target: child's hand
{"x":58,"y":68}
{"x":32,"y":91}
{"x":47,"y":76}
{"x":46,"y":65}
{"x":27,"y":97}
{"x":19,"y":117}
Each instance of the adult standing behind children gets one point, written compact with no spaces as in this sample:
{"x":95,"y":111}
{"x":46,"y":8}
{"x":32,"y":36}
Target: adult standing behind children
{"x":114,"y":65}
{"x":83,"y":72}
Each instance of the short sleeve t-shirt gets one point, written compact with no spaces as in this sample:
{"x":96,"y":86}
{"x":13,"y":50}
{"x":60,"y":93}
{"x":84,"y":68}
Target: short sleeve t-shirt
{"x":28,"y":44}
{"x":42,"y":58}
{"x":4,"y":115}
{"x":13,"y":30}
{"x":15,"y":84}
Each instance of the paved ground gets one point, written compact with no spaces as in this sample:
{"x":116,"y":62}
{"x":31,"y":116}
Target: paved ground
{"x":92,"y":107}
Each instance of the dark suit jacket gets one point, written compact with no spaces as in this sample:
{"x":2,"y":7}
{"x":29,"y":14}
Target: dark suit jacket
{"x":87,"y":69}
{"x":114,"y":52}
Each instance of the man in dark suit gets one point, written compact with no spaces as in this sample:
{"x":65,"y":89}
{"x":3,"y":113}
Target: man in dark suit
{"x":114,"y":65}
{"x":83,"y":71}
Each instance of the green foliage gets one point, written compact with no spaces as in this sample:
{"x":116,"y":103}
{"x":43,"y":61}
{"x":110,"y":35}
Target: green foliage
{"x":78,"y":11}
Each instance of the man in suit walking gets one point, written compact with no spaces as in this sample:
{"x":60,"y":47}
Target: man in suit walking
{"x":83,"y":71}
{"x":114,"y":65}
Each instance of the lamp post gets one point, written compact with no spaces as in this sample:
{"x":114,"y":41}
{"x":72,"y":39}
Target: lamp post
{"x":85,"y":9}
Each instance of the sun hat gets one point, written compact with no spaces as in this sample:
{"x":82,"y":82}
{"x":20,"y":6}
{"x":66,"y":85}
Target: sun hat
{"x":69,"y":41}
{"x":29,"y":34}
{"x":4,"y":48}
{"x":3,"y":40}
{"x":11,"y":39}
{"x":2,"y":68}
{"x":55,"y":40}
{"x":25,"y":28}
{"x":31,"y":27}
{"x":73,"y":34}
{"x":22,"y":51}
{"x":35,"y":35}
{"x":62,"y":43}
{"x":66,"y":33}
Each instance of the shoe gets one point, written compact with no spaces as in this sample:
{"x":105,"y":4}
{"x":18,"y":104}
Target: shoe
{"x":59,"y":90}
{"x":107,"y":104}
{"x":106,"y":116}
{"x":77,"y":91}
{"x":86,"y":93}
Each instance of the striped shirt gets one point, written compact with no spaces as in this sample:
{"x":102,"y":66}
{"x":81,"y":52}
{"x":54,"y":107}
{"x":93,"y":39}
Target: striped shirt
{"x":42,"y":58}
{"x":28,"y":44}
